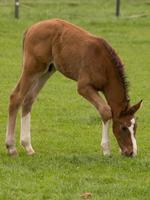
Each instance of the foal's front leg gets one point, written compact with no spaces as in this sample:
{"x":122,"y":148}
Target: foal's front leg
{"x":93,"y":96}
{"x":105,"y":138}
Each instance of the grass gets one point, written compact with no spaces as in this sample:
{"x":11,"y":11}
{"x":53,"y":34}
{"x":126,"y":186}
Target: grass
{"x":65,"y":128}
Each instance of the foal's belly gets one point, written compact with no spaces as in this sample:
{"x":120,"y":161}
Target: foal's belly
{"x":69,"y":64}
{"x":70,"y":72}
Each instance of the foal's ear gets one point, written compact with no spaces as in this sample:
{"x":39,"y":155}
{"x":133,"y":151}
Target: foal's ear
{"x":133,"y":109}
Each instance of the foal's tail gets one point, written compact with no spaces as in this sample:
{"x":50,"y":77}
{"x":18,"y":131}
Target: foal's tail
{"x":24,"y":37}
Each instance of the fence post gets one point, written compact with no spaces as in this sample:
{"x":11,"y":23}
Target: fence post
{"x":17,"y":9}
{"x":117,"y":8}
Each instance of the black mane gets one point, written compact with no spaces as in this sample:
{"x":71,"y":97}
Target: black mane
{"x":119,"y":67}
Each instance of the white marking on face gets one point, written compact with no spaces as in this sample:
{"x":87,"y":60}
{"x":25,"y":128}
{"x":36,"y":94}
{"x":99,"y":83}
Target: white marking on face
{"x":131,"y":129}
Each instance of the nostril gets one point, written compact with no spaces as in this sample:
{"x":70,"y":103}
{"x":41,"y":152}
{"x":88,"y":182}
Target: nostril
{"x":131,"y":153}
{"x":127,"y":153}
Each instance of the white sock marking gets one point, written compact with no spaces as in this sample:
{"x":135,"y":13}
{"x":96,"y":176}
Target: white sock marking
{"x":25,"y":132}
{"x":131,"y":129}
{"x":105,"y":138}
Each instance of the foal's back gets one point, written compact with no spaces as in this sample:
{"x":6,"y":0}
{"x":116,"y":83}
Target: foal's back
{"x":70,"y":48}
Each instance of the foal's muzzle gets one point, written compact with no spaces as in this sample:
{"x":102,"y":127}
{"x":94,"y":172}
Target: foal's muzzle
{"x":128,"y":153}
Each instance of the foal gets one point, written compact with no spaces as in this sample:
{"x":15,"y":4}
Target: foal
{"x":58,"y":45}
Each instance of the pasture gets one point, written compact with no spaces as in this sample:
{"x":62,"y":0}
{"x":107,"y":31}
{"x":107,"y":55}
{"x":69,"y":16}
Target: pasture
{"x":66,"y":129}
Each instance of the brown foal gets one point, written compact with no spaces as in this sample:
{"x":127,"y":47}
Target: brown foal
{"x":58,"y":45}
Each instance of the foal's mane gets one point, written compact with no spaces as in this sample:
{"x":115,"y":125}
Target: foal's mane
{"x":119,"y":67}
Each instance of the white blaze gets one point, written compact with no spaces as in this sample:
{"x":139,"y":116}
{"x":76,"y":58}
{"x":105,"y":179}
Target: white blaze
{"x":131,"y":129}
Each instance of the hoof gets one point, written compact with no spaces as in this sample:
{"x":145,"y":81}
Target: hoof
{"x":106,"y":153}
{"x":12,"y":152}
{"x":105,"y":149}
{"x":28,"y":147}
{"x":30,"y":152}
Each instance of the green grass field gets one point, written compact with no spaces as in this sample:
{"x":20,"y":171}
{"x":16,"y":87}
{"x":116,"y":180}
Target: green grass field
{"x":66,"y":129}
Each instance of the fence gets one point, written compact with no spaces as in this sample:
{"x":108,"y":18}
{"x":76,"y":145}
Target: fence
{"x":118,"y":7}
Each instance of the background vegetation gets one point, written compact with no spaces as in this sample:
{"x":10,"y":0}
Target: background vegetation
{"x":66,"y":129}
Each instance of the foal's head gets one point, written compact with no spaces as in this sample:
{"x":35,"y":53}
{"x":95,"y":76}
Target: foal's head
{"x":124,"y":128}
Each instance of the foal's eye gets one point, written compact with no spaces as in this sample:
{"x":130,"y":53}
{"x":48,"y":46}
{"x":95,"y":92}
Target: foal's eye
{"x":124,"y":128}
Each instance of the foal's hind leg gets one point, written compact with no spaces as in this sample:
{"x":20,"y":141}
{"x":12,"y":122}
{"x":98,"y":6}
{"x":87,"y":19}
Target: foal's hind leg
{"x":14,"y":104}
{"x":25,"y":137}
{"x":91,"y":94}
{"x":16,"y":99}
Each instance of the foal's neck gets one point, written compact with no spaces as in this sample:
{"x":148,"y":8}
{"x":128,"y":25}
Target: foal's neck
{"x":116,"y":88}
{"x":116,"y":96}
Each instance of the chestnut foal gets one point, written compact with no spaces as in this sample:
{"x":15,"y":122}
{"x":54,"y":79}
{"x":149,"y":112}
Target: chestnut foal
{"x":58,"y":45}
